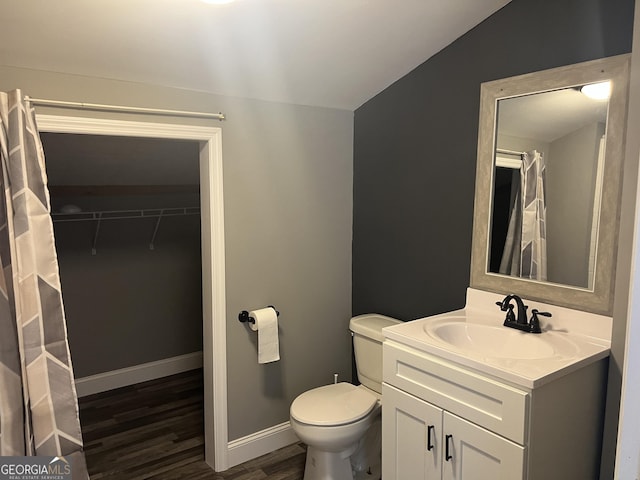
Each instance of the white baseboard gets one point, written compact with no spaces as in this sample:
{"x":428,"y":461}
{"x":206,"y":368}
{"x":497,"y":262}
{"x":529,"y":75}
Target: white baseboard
{"x":259,"y":443}
{"x":138,"y":373}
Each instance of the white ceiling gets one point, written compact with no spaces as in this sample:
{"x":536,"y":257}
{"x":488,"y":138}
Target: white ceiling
{"x":550,"y":115}
{"x":332,"y":53}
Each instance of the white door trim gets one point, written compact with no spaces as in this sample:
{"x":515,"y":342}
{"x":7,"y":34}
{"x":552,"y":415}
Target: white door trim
{"x":213,"y":259}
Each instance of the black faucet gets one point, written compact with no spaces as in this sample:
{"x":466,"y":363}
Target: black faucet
{"x":505,"y":306}
{"x":520,"y":321}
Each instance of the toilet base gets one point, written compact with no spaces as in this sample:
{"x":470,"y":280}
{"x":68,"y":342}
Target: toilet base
{"x":361,"y":462}
{"x":366,"y":460}
{"x":322,"y":465}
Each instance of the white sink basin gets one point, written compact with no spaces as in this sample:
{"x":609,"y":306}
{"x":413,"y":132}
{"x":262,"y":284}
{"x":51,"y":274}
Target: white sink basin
{"x":475,"y":337}
{"x":498,"y":341}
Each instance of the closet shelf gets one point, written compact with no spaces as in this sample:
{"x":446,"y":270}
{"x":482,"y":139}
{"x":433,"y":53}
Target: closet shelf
{"x":99,"y":216}
{"x":124,"y":214}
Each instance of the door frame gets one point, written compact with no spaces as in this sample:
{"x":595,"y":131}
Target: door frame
{"x":213,"y":256}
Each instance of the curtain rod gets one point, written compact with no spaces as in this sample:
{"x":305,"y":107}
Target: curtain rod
{"x":509,"y":152}
{"x":119,"y":108}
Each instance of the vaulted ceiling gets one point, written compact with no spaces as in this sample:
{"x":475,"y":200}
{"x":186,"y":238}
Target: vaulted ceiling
{"x":330,"y":53}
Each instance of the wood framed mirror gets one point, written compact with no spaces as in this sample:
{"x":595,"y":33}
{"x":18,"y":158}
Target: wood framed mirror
{"x":539,"y":132}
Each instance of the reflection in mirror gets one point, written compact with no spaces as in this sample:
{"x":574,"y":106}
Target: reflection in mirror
{"x":548,"y":182}
{"x":539,"y":211}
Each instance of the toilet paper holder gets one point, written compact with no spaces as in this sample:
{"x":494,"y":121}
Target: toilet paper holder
{"x":244,"y":317}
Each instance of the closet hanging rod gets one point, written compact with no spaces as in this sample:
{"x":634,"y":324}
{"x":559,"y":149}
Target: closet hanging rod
{"x":509,"y":152}
{"x":121,"y":108}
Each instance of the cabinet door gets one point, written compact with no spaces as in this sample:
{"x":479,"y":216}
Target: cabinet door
{"x":411,"y":437}
{"x":470,"y":452}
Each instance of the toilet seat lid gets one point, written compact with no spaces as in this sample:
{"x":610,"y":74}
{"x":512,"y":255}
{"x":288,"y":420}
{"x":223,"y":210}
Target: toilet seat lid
{"x":335,"y":404}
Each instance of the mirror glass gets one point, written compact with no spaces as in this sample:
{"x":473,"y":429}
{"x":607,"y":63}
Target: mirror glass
{"x":548,"y":182}
{"x":563,"y":134}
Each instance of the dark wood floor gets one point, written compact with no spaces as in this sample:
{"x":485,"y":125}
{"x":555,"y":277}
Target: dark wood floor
{"x":154,"y":430}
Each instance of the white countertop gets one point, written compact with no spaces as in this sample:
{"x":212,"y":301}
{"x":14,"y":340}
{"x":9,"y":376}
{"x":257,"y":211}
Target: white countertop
{"x":571,"y":339}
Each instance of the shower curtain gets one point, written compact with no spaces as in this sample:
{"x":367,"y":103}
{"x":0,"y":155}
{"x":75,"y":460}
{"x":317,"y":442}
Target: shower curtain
{"x":38,"y":403}
{"x":525,"y":251}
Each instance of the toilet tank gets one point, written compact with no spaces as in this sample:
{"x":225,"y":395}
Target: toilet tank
{"x":367,"y":346}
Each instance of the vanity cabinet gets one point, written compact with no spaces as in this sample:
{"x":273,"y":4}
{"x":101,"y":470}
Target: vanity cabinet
{"x":431,"y":443}
{"x":442,"y":420}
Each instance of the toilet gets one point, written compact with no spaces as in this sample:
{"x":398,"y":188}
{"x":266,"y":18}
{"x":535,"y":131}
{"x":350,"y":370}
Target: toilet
{"x":340,"y":423}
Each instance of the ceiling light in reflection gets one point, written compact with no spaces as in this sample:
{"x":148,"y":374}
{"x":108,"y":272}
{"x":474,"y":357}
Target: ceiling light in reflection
{"x":597,"y":91}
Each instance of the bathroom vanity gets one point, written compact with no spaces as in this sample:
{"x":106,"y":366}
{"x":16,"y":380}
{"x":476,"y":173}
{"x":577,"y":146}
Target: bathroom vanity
{"x":466,"y":398}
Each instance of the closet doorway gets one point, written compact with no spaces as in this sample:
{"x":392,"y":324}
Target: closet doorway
{"x":205,"y":145}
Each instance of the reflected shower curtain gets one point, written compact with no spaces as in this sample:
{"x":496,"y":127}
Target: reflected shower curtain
{"x":525,"y":252}
{"x":38,"y":403}
{"x":510,"y":262}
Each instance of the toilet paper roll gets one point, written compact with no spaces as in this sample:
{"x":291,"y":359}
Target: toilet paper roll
{"x":266,"y":324}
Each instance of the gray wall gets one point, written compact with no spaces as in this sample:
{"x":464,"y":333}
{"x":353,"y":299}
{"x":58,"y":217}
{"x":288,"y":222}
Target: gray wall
{"x":571,"y":185}
{"x":288,"y":203}
{"x":414,"y":174}
{"x":128,"y":304}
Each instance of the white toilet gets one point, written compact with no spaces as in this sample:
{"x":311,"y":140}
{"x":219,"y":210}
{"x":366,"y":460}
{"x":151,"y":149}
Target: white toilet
{"x":340,"y":423}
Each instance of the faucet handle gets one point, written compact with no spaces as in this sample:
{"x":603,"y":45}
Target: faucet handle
{"x":534,"y":323}
{"x":511,"y":316}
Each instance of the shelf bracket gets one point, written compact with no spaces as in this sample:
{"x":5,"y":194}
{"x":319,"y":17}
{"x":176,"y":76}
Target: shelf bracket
{"x":155,"y":231}
{"x":95,"y":235}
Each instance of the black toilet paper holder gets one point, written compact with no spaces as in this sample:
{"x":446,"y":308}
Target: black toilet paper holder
{"x":244,"y":317}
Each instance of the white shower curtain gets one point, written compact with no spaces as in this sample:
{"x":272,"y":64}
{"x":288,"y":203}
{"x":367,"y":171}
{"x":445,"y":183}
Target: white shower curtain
{"x":38,"y":403}
{"x":525,"y":252}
